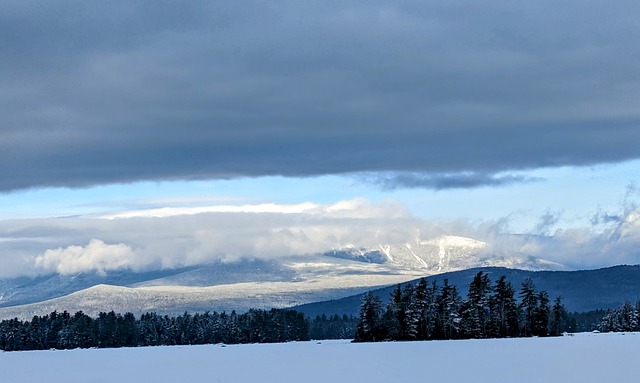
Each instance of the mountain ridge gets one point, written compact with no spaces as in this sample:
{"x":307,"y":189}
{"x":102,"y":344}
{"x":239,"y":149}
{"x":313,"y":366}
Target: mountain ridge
{"x":442,"y":254}
{"x":242,"y":284}
{"x":580,"y":290}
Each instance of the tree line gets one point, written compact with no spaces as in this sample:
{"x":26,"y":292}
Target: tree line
{"x":490,"y":310}
{"x":333,"y":327}
{"x":624,"y":318}
{"x":420,"y":311}
{"x":109,"y":330}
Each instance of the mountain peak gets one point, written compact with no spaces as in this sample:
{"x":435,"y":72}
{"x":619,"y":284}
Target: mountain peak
{"x":439,"y":255}
{"x":456,"y":241}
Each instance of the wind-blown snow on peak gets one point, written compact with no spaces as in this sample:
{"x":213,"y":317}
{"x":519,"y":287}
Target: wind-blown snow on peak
{"x":456,"y":241}
{"x":439,"y":255}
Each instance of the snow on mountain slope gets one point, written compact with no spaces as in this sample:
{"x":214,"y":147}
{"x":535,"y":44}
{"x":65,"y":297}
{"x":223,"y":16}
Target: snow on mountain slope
{"x":23,"y":290}
{"x":253,"y":283}
{"x":174,"y":300}
{"x":447,"y":253}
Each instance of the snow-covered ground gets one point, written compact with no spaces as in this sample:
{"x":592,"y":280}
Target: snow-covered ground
{"x":580,"y":358}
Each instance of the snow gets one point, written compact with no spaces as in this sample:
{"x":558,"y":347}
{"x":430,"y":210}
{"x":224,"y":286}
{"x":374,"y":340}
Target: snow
{"x":420,"y":260}
{"x":386,"y":250}
{"x":581,"y":358}
{"x":290,"y":280}
{"x":174,"y":300}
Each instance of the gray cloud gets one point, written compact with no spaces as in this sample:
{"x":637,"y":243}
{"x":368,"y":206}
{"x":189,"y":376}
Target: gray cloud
{"x":628,"y":206}
{"x":546,"y":222}
{"x":124,"y":91}
{"x":465,"y":180}
{"x":603,"y":218}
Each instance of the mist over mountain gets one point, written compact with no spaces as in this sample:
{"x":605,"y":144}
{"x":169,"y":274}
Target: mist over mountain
{"x":248,"y":283}
{"x":443,"y":254}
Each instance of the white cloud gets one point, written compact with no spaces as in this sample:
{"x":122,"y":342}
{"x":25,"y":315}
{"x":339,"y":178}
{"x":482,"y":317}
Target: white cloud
{"x":95,"y":256}
{"x":353,"y":208}
{"x":144,"y":242}
{"x":173,"y":211}
{"x":188,"y":236}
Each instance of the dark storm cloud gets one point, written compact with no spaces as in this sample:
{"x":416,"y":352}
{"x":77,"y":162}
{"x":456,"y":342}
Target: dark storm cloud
{"x":99,"y":92}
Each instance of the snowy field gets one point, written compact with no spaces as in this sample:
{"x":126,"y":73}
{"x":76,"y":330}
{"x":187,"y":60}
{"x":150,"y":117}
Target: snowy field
{"x":580,"y":358}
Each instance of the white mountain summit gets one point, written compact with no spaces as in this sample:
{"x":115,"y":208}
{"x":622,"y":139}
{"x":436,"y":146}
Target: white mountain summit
{"x":440,"y":255}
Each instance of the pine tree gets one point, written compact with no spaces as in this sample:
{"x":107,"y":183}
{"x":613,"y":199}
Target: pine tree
{"x":475,"y":309}
{"x":128,"y":330}
{"x":411,"y":314}
{"x":448,"y":318}
{"x":431,"y":316}
{"x":541,"y":315}
{"x":528,"y":305}
{"x":232,"y":329}
{"x":149,"y":330}
{"x":368,"y":328}
{"x":394,"y":318}
{"x":624,"y":318}
{"x":558,"y":318}
{"x":421,"y":301}
{"x":504,"y":310}
{"x":633,"y":319}
{"x":454,"y":320}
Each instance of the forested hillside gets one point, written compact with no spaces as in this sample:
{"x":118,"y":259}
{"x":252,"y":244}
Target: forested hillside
{"x":581,"y":291}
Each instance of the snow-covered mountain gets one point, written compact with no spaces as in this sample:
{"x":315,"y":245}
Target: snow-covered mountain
{"x":290,"y":282}
{"x":244,"y":284}
{"x":444,"y":254}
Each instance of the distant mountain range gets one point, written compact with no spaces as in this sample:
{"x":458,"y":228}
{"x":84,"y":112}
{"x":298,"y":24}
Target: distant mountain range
{"x":252,"y":283}
{"x":581,"y":291}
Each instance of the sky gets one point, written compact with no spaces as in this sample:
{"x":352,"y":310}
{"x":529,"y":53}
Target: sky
{"x":138,"y":134}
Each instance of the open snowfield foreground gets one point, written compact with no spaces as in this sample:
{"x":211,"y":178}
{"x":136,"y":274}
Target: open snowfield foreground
{"x":580,"y":358}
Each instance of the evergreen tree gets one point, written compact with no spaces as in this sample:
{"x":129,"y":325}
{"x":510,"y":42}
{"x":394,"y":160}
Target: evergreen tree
{"x":431,"y":316}
{"x":476,"y":308}
{"x":541,"y":315}
{"x":558,"y":318}
{"x":128,"y":332}
{"x":421,"y":303}
{"x":504,"y":310}
{"x":232,"y":328}
{"x":412,"y":316}
{"x":448,"y":312}
{"x":36,"y":334}
{"x":369,"y":328}
{"x":149,"y":334}
{"x":401,"y":319}
{"x":107,"y":324}
{"x":528,"y":306}
{"x":394,"y":318}
{"x":82,"y":328}
{"x":624,"y":318}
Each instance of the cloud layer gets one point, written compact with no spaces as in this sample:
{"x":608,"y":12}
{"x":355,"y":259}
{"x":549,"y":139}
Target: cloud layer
{"x":464,"y":180}
{"x":139,"y":241}
{"x":122,"y":91}
{"x":142,"y":240}
{"x":95,"y":256}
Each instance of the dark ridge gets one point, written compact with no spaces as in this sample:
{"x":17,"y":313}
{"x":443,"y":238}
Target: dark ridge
{"x":582,"y":290}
